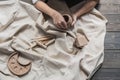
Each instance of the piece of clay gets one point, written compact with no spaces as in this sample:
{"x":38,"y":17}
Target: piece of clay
{"x":81,"y":40}
{"x":16,"y":67}
{"x":68,"y":20}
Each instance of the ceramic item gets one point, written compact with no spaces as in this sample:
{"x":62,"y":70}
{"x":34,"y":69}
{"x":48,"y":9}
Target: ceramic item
{"x":16,"y":67}
{"x":81,"y":40}
{"x":68,"y":20}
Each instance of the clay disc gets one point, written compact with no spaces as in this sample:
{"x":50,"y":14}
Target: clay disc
{"x":17,"y":68}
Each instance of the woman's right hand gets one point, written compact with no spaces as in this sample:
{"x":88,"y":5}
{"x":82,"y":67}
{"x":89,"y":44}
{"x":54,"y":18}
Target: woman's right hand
{"x":59,"y":20}
{"x":56,"y":16}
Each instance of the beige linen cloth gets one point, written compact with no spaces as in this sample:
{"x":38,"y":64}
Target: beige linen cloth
{"x":21,"y":24}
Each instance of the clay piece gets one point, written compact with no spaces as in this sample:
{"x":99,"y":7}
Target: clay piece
{"x":68,"y":19}
{"x":81,"y":40}
{"x":17,"y":68}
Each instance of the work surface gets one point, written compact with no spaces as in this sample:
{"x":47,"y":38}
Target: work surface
{"x":111,"y":67}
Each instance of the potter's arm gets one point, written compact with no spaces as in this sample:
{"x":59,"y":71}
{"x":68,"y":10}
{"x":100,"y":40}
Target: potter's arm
{"x":55,"y":15}
{"x":42,"y":6}
{"x":87,"y":7}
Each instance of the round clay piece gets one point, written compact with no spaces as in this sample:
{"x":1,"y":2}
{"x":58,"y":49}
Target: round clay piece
{"x":17,"y":68}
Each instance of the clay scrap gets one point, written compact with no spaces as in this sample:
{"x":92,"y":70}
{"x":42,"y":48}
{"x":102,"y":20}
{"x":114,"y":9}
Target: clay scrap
{"x":81,"y":40}
{"x":16,"y":67}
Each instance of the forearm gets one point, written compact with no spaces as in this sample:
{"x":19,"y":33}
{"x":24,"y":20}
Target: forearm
{"x":88,"y":6}
{"x":58,"y":19}
{"x":40,"y":5}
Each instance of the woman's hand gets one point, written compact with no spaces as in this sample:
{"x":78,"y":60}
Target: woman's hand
{"x":56,"y":16}
{"x":74,"y":19}
{"x":59,"y":20}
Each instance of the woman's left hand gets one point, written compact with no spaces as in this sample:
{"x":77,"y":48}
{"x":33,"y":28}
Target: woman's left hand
{"x":74,"y":19}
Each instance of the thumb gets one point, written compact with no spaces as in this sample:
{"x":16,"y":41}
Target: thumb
{"x":74,"y":20}
{"x":73,"y":23}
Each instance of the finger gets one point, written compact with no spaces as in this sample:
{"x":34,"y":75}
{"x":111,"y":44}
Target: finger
{"x":56,"y":24}
{"x":60,"y":25}
{"x":73,"y":22}
{"x":64,"y":25}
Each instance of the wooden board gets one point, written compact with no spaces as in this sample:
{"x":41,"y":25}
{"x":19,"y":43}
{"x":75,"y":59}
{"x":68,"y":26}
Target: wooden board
{"x":111,"y":59}
{"x":112,"y":40}
{"x":111,"y":66}
{"x":109,"y":8}
{"x":110,"y":1}
{"x":113,"y":27}
{"x":107,"y":74}
{"x":113,"y":18}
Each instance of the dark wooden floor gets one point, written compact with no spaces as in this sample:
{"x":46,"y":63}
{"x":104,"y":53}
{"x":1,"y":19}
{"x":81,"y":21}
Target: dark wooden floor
{"x":111,"y":67}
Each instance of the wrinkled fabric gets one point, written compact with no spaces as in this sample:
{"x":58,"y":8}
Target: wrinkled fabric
{"x":21,"y":23}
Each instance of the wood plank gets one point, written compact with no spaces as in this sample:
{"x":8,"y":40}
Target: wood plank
{"x":113,"y":27}
{"x":113,"y":18}
{"x":112,"y":40}
{"x":109,"y":8}
{"x":110,"y":1}
{"x":107,"y":74}
{"x":111,"y":59}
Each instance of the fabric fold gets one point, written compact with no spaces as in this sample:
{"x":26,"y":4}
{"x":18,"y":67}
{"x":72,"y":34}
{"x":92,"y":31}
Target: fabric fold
{"x":22,"y":23}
